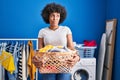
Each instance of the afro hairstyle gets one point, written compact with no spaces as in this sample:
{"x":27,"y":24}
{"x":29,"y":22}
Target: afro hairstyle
{"x":53,"y":7}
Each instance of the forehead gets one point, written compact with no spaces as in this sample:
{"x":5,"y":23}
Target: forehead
{"x":55,"y":13}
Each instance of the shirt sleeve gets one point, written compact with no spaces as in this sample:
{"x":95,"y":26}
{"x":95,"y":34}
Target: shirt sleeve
{"x":40,"y":34}
{"x":68,"y":30}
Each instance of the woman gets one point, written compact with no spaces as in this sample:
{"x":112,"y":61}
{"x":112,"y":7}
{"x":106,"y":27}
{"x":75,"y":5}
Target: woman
{"x":55,"y":35}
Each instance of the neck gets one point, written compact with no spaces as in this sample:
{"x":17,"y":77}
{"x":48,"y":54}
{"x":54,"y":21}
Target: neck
{"x":53,"y":27}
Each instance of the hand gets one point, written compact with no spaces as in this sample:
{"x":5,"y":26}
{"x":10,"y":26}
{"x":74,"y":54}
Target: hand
{"x":72,"y":62}
{"x":37,"y":61}
{"x":76,"y":57}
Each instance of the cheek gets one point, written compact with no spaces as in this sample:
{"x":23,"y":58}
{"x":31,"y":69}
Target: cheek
{"x":59,"y":19}
{"x":50,"y":20}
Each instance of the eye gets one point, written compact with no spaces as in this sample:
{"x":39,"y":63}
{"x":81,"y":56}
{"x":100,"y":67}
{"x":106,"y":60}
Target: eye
{"x":58,"y":15}
{"x":51,"y":15}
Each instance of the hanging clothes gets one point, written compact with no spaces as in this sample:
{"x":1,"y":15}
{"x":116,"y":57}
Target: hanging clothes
{"x":2,"y":71}
{"x":19,"y":55}
{"x":15,"y":55}
{"x":27,"y":55}
{"x":7,"y":61}
{"x":24,"y":63}
{"x":20,"y":66}
{"x":31,"y":66}
{"x":10,"y":48}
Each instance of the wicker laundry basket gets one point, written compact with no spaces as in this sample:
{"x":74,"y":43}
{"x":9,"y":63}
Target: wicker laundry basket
{"x":54,"y":62}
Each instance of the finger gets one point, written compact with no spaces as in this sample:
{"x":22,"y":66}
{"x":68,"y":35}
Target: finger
{"x":38,"y":64}
{"x":36,"y":59}
{"x":70,"y":62}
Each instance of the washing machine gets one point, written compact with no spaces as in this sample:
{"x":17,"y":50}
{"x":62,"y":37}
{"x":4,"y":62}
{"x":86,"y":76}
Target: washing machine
{"x":85,"y":69}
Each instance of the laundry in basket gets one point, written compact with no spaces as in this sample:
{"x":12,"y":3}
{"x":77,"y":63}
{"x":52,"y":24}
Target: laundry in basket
{"x":54,"y":62}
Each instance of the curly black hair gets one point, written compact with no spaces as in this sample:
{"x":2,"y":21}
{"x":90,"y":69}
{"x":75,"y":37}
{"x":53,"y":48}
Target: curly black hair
{"x":53,"y":7}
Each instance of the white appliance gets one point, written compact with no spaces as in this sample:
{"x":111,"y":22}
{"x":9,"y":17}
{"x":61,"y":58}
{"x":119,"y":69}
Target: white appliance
{"x":101,"y":58}
{"x":85,"y":69}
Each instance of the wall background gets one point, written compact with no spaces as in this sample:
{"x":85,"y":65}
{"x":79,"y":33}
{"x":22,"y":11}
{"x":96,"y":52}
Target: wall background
{"x":86,"y":18}
{"x":21,"y":18}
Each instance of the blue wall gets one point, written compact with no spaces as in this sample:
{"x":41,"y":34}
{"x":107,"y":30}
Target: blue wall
{"x":85,"y":18}
{"x":21,"y":18}
{"x":113,"y":11}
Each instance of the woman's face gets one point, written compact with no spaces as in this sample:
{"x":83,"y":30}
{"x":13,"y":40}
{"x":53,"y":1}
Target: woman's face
{"x":54,"y":19}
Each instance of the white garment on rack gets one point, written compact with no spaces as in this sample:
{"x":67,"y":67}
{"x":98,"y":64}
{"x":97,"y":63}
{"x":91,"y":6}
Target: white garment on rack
{"x":27,"y":52}
{"x":2,"y":73}
{"x":24,"y":63}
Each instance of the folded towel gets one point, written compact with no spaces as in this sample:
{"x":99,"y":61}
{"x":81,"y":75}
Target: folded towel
{"x":90,"y":43}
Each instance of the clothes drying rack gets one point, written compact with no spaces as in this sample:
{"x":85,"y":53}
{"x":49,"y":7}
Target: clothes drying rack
{"x":23,"y":39}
